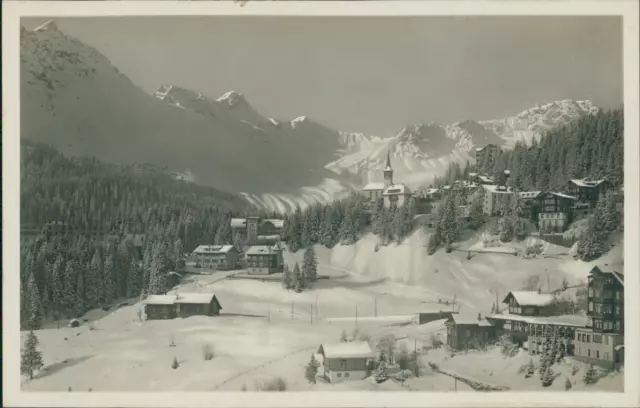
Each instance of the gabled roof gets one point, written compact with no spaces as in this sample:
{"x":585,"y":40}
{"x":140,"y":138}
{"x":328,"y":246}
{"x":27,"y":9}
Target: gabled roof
{"x":374,"y":186}
{"x":606,"y":269}
{"x":397,"y":189}
{"x":194,"y":298}
{"x":529,"y":194}
{"x":497,"y":189}
{"x":260,"y":250}
{"x":530,"y":298}
{"x":347,"y":350}
{"x":160,"y":299}
{"x":561,"y":195}
{"x":563,"y":320}
{"x":242,"y":222}
{"x":485,"y":179}
{"x":213,"y":249}
{"x":587,"y":183}
{"x":276,"y":222}
{"x":469,"y":320}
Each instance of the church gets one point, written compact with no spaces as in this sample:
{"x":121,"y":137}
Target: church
{"x":387,"y":192}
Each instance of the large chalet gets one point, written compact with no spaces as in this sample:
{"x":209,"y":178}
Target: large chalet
{"x":587,"y":192}
{"x":602,"y":340}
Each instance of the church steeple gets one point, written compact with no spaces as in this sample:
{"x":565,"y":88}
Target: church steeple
{"x":388,"y":172}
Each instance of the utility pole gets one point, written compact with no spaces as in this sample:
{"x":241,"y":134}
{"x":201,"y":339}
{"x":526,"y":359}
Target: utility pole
{"x":415,"y":355}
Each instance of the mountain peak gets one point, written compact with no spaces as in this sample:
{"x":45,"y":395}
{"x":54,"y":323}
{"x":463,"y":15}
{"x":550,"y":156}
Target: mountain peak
{"x":48,"y":26}
{"x":298,"y":121}
{"x":232,"y":99}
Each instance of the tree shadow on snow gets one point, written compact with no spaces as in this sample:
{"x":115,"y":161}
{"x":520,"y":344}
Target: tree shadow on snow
{"x":54,"y":368}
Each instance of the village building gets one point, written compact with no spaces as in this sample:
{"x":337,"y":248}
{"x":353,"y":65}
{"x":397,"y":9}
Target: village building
{"x":249,"y":229}
{"x":263,"y":260}
{"x":162,"y":307}
{"x":388,"y":192}
{"x":531,"y":332}
{"x":346,"y":361}
{"x":216,"y":257}
{"x":602,"y":341}
{"x":529,"y":205}
{"x":529,"y":303}
{"x":486,"y":152}
{"x":469,"y":332}
{"x":587,"y":193}
{"x":496,"y":200}
{"x":197,"y":304}
{"x":555,"y":211}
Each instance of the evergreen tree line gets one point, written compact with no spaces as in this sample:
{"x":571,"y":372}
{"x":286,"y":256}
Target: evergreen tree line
{"x":62,"y":277}
{"x":589,"y":147}
{"x":393,"y":224}
{"x":342,"y":221}
{"x":299,"y":279}
{"x":88,"y":195}
{"x":605,"y":220}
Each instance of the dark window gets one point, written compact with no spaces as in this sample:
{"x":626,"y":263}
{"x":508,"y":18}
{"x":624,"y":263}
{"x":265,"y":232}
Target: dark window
{"x":343,"y":364}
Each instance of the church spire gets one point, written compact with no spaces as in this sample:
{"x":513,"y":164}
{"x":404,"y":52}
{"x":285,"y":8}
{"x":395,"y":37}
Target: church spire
{"x":388,"y":172}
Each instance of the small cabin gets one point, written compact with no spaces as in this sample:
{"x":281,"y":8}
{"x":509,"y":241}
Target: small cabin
{"x":529,"y":303}
{"x":197,"y":304}
{"x":465,"y":332}
{"x":160,"y":307}
{"x":346,"y":361}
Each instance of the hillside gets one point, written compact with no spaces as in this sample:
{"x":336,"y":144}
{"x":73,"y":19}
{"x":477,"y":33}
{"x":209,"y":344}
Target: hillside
{"x":85,"y":107}
{"x":406,"y":268}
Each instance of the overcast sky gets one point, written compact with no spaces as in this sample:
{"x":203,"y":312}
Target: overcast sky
{"x":372,"y":75}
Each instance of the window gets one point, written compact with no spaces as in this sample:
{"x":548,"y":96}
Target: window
{"x":617,"y":310}
{"x":597,"y":324}
{"x":346,"y":375}
{"x":597,"y":338}
{"x":607,"y":294}
{"x":339,"y":375}
{"x":597,"y":353}
{"x":343,"y":364}
{"x":618,"y":295}
{"x":598,"y":308}
{"x":591,"y":306}
{"x":590,"y":292}
{"x":618,"y":325}
{"x":588,"y":352}
{"x":606,"y":355}
{"x":606,"y":339}
{"x":588,"y":338}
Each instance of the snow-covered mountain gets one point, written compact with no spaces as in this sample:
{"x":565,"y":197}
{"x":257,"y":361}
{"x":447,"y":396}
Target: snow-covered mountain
{"x":420,"y":152}
{"x":74,"y":99}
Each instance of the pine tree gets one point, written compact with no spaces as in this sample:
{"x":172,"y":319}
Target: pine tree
{"x":548,"y":377}
{"x":590,"y":376}
{"x":382,"y":374}
{"x":591,"y":246}
{"x":69,"y":296}
{"x":134,"y":281}
{"x":35,"y":305}
{"x":109,"y":278}
{"x":80,"y":296}
{"x":31,"y":358}
{"x":299,"y":279}
{"x":476,"y":212}
{"x":310,"y":264}
{"x":567,"y":384}
{"x":57,"y":288}
{"x":433,"y":244}
{"x":311,"y":370}
{"x":288,"y":279}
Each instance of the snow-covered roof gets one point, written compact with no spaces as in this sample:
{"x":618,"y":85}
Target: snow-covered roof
{"x":530,"y":298}
{"x":486,"y":179}
{"x":473,"y":174}
{"x":194,"y":298}
{"x":562,"y":195}
{"x":563,"y":320}
{"x":469,"y":320}
{"x":618,"y":274}
{"x":160,"y":299}
{"x":432,"y":191}
{"x":397,"y":189}
{"x":260,"y":250}
{"x":529,"y":194}
{"x":507,"y":172}
{"x":374,"y":186}
{"x":347,"y":350}
{"x":497,"y":189}
{"x":587,"y":183}
{"x":213,"y":249}
{"x":238,"y":222}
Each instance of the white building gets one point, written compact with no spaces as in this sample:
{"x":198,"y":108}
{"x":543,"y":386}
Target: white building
{"x":346,"y":361}
{"x":495,"y":198}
